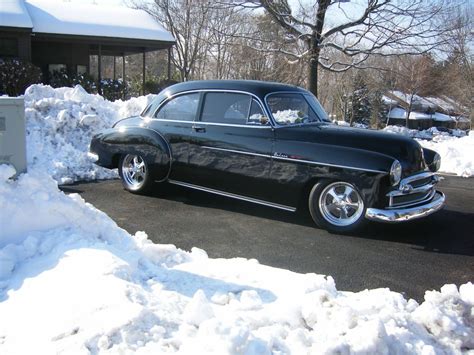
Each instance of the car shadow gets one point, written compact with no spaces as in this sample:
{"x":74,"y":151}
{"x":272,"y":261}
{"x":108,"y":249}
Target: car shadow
{"x":447,"y":231}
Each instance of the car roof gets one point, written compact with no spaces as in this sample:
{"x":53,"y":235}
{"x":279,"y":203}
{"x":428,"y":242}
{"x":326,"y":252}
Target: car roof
{"x":258,"y":88}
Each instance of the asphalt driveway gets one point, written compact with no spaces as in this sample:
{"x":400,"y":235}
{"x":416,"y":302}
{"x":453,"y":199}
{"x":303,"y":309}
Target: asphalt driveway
{"x":409,"y":258}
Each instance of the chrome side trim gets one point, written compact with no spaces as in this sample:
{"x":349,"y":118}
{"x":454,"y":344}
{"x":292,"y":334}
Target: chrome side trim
{"x":231,"y":195}
{"x":406,"y":214}
{"x":236,"y":151}
{"x":332,"y":165}
{"x":213,"y":123}
{"x":294,"y":160}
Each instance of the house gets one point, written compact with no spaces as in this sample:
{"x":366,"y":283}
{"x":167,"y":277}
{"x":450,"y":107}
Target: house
{"x":55,"y":35}
{"x":417,"y":120}
{"x":425,"y":112}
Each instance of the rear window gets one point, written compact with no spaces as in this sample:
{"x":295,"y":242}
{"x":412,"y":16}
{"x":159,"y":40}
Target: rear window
{"x":223,"y":107}
{"x":180,"y":108}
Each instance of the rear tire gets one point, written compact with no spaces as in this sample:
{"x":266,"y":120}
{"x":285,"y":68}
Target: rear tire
{"x":337,"y":206}
{"x":135,"y":174}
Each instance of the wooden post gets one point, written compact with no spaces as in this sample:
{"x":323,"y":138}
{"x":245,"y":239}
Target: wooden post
{"x":99,"y":76}
{"x":115,"y":68}
{"x":123,"y":71}
{"x":123,"y":67}
{"x":169,"y":64}
{"x":144,"y":63}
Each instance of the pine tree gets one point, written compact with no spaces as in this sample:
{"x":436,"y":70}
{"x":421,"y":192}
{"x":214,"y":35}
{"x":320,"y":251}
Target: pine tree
{"x":379,"y":112}
{"x":361,"y":103}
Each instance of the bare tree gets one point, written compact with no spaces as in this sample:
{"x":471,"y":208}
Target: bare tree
{"x":412,"y":74}
{"x":458,"y":73}
{"x":379,"y":27}
{"x":187,"y":21}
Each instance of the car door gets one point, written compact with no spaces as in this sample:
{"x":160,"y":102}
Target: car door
{"x":174,"y":120}
{"x":231,"y":145}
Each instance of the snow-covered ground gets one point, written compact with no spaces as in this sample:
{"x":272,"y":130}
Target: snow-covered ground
{"x":72,"y":281}
{"x":60,"y":124}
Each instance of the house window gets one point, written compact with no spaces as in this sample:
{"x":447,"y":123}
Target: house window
{"x":56,"y":67}
{"x":8,"y":47}
{"x":81,"y":69}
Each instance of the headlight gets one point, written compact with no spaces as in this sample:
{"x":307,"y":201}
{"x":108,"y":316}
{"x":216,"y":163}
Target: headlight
{"x":395,"y":172}
{"x":434,"y":166}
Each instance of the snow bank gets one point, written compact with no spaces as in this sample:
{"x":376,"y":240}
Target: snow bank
{"x":456,"y":151}
{"x":60,"y":124}
{"x":72,"y":281}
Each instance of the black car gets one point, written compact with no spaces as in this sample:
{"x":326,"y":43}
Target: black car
{"x":271,"y":144}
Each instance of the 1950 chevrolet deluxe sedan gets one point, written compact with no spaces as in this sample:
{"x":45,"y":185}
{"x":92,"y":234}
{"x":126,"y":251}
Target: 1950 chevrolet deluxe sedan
{"x":271,"y":144}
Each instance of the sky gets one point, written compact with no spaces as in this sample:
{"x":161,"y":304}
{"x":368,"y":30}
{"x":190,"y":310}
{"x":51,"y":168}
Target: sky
{"x":351,"y":9}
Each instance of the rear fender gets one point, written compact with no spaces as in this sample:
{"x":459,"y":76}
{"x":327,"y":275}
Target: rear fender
{"x":148,"y":143}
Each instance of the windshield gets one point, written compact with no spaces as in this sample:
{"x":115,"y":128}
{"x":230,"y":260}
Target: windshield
{"x":295,"y":108}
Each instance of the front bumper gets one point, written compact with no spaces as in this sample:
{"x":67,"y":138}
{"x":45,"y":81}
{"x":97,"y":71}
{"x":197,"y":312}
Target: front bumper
{"x":407,"y":214}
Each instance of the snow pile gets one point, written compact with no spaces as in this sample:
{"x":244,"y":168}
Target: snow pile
{"x":456,"y":153}
{"x":73,"y":282}
{"x":60,"y":124}
{"x":455,"y":150}
{"x":428,"y":134}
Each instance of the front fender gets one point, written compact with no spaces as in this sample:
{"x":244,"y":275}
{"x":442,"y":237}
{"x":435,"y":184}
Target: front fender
{"x":110,"y":144}
{"x":432,"y":163}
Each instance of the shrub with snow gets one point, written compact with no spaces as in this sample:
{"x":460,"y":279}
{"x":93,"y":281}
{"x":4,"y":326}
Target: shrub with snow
{"x":72,"y":281}
{"x":16,"y":75}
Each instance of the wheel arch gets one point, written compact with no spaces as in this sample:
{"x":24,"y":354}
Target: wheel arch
{"x":368,"y":183}
{"x":114,"y":143}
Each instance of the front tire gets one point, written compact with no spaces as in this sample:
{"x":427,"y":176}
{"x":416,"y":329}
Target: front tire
{"x":135,"y":174}
{"x":337,"y":206}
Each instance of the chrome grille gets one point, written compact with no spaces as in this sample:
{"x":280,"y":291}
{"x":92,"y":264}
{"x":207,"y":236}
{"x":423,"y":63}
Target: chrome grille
{"x":413,"y":190}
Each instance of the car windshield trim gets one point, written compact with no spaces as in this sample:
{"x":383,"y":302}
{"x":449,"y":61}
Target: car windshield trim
{"x":312,"y":105}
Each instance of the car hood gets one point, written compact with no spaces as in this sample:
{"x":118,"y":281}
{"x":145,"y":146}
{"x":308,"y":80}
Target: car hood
{"x":402,"y":148}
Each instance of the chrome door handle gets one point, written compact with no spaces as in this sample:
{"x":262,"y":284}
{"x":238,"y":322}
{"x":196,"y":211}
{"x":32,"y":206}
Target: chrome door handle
{"x":199,"y":129}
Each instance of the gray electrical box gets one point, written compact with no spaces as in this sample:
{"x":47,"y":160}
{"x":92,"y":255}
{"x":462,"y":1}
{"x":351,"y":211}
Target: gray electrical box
{"x":13,"y":133}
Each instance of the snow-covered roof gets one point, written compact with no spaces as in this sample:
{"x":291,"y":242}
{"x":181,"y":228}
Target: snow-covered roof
{"x":442,"y":103}
{"x":438,"y":116}
{"x":388,"y":101}
{"x":13,"y":14}
{"x":416,"y":99}
{"x":79,"y":19}
{"x":398,"y":112}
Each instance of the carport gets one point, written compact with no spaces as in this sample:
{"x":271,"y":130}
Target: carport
{"x":57,"y":36}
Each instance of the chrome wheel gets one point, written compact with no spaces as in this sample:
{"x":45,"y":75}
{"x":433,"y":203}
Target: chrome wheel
{"x":340,"y":204}
{"x":134,"y":171}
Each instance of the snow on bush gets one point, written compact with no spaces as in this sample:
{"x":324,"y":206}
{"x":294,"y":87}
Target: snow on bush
{"x":72,"y":281}
{"x":60,"y":124}
{"x":455,"y":151}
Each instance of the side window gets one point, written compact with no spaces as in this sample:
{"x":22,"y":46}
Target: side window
{"x":181,"y":108}
{"x":227,"y":108}
{"x":256,"y":115}
{"x":290,"y":108}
